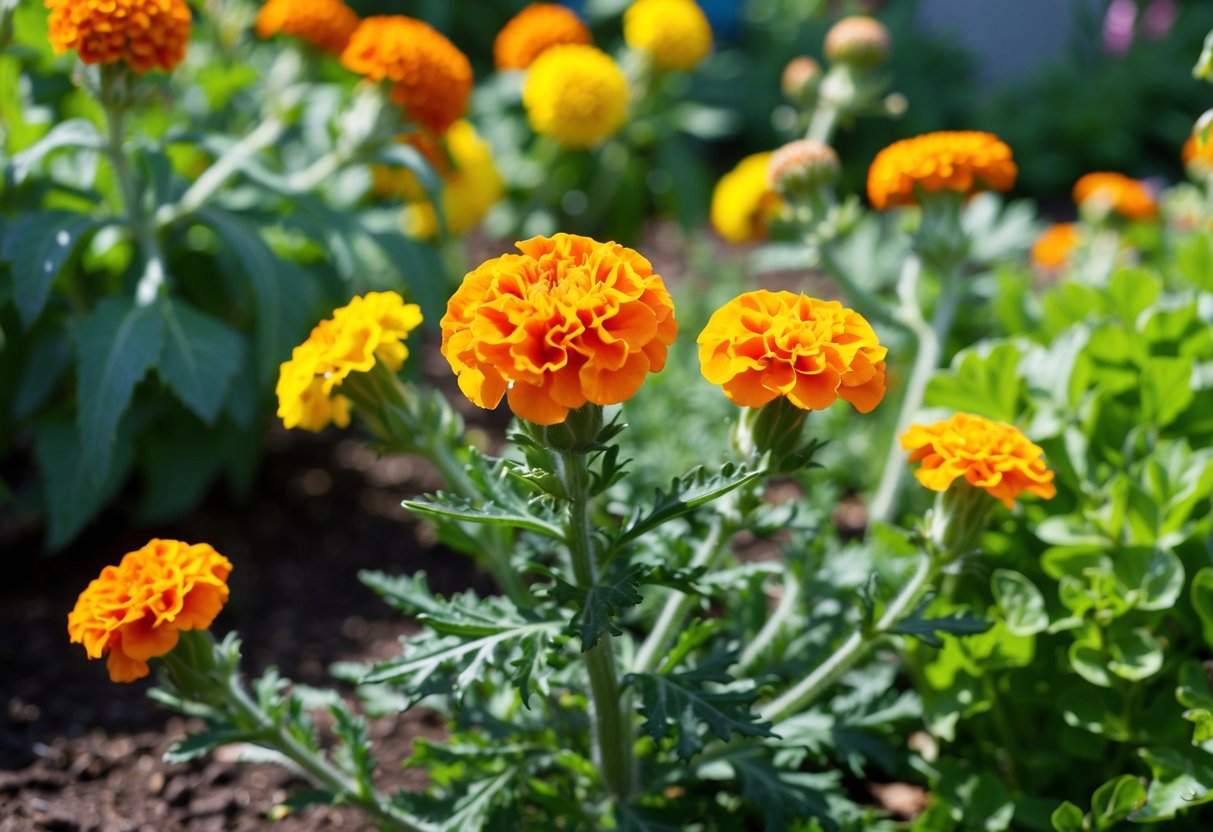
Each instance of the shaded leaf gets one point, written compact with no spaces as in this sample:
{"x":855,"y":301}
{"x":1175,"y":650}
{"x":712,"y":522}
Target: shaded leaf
{"x":201,"y":357}
{"x":36,"y":247}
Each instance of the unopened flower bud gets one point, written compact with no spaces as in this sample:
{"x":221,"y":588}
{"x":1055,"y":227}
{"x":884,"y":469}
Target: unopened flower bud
{"x":896,"y":105}
{"x":863,"y":42}
{"x":800,"y":80}
{"x":803,"y":167}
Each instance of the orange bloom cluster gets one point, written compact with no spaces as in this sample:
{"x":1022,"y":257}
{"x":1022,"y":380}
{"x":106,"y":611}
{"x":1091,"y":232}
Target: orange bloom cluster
{"x":145,"y":33}
{"x":535,"y":29}
{"x":135,"y":611}
{"x":431,"y":79}
{"x":1054,"y":245}
{"x":765,"y":344}
{"x":569,"y":321}
{"x":325,"y":24}
{"x":1116,"y":192}
{"x":370,"y":328}
{"x":990,"y":455}
{"x":963,"y":161}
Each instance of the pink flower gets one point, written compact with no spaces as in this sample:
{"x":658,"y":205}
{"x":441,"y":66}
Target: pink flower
{"x":1118,"y":25}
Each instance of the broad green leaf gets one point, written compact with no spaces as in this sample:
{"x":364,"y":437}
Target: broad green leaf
{"x":444,"y":506}
{"x":420,"y":264}
{"x":986,"y":384}
{"x":1068,"y":818}
{"x":44,"y":368}
{"x":686,"y":493}
{"x":1202,"y":601}
{"x":73,"y":133}
{"x":1134,"y":655}
{"x":1131,"y":292}
{"x":116,"y":345}
{"x":177,"y":468}
{"x":1153,"y":577}
{"x":201,"y":356}
{"x":1202,"y":719}
{"x":1022,"y":605}
{"x":1115,"y":800}
{"x":1089,"y":661}
{"x":1166,"y":389}
{"x":1182,"y":780}
{"x":36,"y":247}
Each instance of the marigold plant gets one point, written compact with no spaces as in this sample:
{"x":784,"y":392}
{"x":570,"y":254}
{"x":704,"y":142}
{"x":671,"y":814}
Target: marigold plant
{"x":803,"y":165}
{"x":431,"y":79}
{"x":135,"y":611}
{"x":990,"y":455}
{"x":370,"y":328}
{"x":533,"y":31}
{"x":471,"y":185}
{"x":146,"y":34}
{"x":568,"y":321}
{"x":1117,"y":193}
{"x":576,"y":94}
{"x":743,"y":202}
{"x":675,"y":34}
{"x":764,"y":344}
{"x":1055,"y":245}
{"x":961,"y":161}
{"x":859,"y":40}
{"x":325,"y":24}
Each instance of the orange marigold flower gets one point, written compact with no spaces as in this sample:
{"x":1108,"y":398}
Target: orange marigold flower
{"x":1116,"y":192}
{"x":533,"y":31}
{"x":135,"y":611}
{"x":431,"y":79}
{"x":369,"y":329}
{"x":765,"y":344}
{"x":145,"y":33}
{"x":325,"y":24}
{"x":990,"y":455}
{"x":963,"y":161}
{"x":1054,"y":245}
{"x":567,"y":322}
{"x":743,"y":202}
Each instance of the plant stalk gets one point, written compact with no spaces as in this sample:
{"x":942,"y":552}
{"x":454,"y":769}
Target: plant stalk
{"x":787,"y":603}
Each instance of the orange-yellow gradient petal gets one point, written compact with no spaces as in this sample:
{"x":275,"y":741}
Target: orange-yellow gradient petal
{"x":325,"y":24}
{"x":963,"y":161}
{"x":1053,"y":247}
{"x":533,"y":31}
{"x":146,"y":34}
{"x":1116,"y":192}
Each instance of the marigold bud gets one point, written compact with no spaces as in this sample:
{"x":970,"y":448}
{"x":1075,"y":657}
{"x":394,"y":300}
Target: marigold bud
{"x":860,"y":41}
{"x":802,"y":167}
{"x":800,"y":80}
{"x":1099,"y":194}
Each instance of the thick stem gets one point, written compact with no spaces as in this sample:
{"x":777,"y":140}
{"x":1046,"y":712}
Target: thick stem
{"x":823,"y":123}
{"x":612,"y":731}
{"x":857,"y":645}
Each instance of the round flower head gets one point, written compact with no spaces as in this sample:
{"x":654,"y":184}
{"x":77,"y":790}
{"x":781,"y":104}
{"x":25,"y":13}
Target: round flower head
{"x":1117,"y":193}
{"x":989,"y":455}
{"x":743,"y":202}
{"x":803,"y":165}
{"x":860,"y":41}
{"x":325,"y":24}
{"x":961,"y":161}
{"x":765,"y":344}
{"x":570,"y":321}
{"x":674,"y":33}
{"x":1198,"y":155}
{"x":576,"y":94}
{"x":431,"y":79}
{"x":135,"y":611}
{"x":471,"y":185}
{"x":147,"y":34}
{"x":533,"y":31}
{"x":1054,"y":245}
{"x":800,"y":80}
{"x":369,"y":329}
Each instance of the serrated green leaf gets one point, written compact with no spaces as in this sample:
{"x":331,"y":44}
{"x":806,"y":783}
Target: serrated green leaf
{"x":302,"y":799}
{"x":201,"y":744}
{"x":959,"y":623}
{"x":444,"y":506}
{"x":36,"y":247}
{"x":1021,"y":603}
{"x":598,"y":605}
{"x":116,"y":345}
{"x":686,"y":493}
{"x":201,"y":357}
{"x":355,"y":751}
{"x":785,"y":797}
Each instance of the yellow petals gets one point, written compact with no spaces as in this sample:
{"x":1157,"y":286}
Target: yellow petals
{"x":962,"y":161}
{"x":576,"y":94}
{"x":147,"y":34}
{"x":674,"y":33}
{"x":743,"y":201}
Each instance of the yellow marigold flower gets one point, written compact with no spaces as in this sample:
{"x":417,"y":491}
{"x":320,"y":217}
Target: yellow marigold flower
{"x":431,"y":79}
{"x":1198,"y":155}
{"x":470,"y":186}
{"x":963,"y":161}
{"x":990,"y":455}
{"x":145,"y":33}
{"x":1054,"y":245}
{"x":567,"y":322}
{"x":576,"y":94}
{"x":743,"y":202}
{"x":533,"y":31}
{"x":135,"y":611}
{"x":859,"y":40}
{"x":370,"y":328}
{"x":675,"y":33}
{"x":1116,"y":192}
{"x":763,"y":344}
{"x":325,"y":24}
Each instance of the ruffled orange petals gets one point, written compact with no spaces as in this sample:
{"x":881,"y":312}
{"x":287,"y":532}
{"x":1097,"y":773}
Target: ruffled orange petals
{"x":962,"y":161}
{"x":147,"y":34}
{"x":1053,"y":247}
{"x":369,"y":329}
{"x":567,"y":322}
{"x":136,"y":610}
{"x":431,"y":79}
{"x":325,"y":24}
{"x":990,"y":455}
{"x":533,"y":31}
{"x":1116,"y":192}
{"x":763,"y":344}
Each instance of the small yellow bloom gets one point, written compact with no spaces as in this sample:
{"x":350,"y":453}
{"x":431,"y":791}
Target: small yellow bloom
{"x":1054,"y":245}
{"x":369,"y":329}
{"x":963,"y":161}
{"x":576,"y":94}
{"x":147,"y":34}
{"x":990,"y":455}
{"x":471,"y":185}
{"x":533,"y":31}
{"x":743,"y":202}
{"x":135,"y":611}
{"x":1116,"y":192}
{"x":674,"y":33}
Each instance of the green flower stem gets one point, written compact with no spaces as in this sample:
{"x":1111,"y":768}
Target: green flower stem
{"x":932,"y":341}
{"x":857,"y":645}
{"x":612,"y":731}
{"x":823,"y":122}
{"x":787,"y":603}
{"x":114,"y":102}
